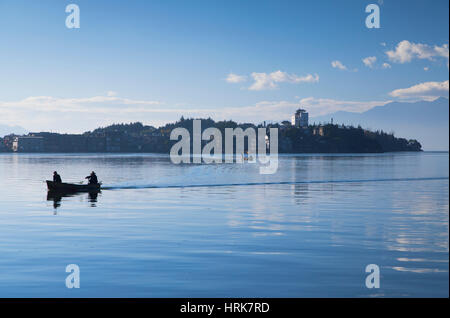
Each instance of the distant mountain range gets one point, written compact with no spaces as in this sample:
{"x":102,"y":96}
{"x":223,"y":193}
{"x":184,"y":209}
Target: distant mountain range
{"x":7,"y":130}
{"x":425,"y":121}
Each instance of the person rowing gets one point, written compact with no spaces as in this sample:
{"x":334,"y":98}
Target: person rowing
{"x":92,"y":178}
{"x":56,"y":177}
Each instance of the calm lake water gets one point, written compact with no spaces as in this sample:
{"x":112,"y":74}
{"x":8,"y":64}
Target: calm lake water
{"x":165,"y":230}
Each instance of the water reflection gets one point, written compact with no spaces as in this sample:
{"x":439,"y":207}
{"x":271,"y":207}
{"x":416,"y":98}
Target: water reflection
{"x":56,"y":197}
{"x":321,"y":233}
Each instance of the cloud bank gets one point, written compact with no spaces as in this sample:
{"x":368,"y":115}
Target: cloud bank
{"x":425,"y":91}
{"x":75,"y":115}
{"x":269,"y":81}
{"x":406,"y":51}
{"x":265,"y":81}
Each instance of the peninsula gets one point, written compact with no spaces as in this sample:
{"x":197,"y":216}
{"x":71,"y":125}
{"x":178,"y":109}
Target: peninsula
{"x":294,"y":137}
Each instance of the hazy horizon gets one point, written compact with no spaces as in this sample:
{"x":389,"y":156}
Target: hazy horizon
{"x":190,"y":117}
{"x":414,"y":124}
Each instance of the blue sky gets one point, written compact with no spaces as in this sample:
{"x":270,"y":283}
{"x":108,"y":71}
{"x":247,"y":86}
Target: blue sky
{"x":154,"y":61}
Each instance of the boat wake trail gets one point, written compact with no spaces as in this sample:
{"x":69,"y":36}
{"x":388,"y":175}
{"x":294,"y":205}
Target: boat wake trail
{"x":160,"y":186}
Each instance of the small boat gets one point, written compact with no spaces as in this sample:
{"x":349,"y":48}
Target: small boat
{"x":72,"y":187}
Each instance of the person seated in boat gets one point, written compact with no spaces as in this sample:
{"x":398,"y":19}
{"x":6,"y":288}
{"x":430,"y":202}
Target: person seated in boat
{"x":56,"y":177}
{"x":92,"y":178}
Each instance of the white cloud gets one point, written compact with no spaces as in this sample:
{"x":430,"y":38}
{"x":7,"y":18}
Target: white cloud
{"x":426,"y":68}
{"x":87,"y":104}
{"x":111,"y":93}
{"x":386,"y":65}
{"x":263,"y":81}
{"x":339,"y":65}
{"x":234,"y":78}
{"x":442,"y":50}
{"x":406,"y":51}
{"x":369,"y":61}
{"x":383,"y":43}
{"x":74,"y":114}
{"x":424,"y":91}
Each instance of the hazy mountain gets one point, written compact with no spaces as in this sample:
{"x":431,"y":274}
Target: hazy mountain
{"x":7,"y":130}
{"x":425,"y":121}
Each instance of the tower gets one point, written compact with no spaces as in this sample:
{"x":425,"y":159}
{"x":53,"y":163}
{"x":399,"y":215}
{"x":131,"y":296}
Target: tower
{"x":300,"y":118}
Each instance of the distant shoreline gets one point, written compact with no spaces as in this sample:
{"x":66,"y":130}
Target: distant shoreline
{"x":279,"y":154}
{"x":138,"y":138}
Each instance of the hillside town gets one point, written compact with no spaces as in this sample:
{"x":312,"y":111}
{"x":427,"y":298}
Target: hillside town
{"x":295,"y":136}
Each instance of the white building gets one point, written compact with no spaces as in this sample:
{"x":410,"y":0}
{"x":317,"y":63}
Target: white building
{"x":300,"y":119}
{"x":28,"y":144}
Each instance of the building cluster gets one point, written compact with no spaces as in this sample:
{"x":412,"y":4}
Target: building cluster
{"x":28,"y":144}
{"x":115,"y":140}
{"x":296,"y":136}
{"x":105,"y":142}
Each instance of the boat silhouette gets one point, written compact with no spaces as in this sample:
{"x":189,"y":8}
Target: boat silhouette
{"x":72,"y":187}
